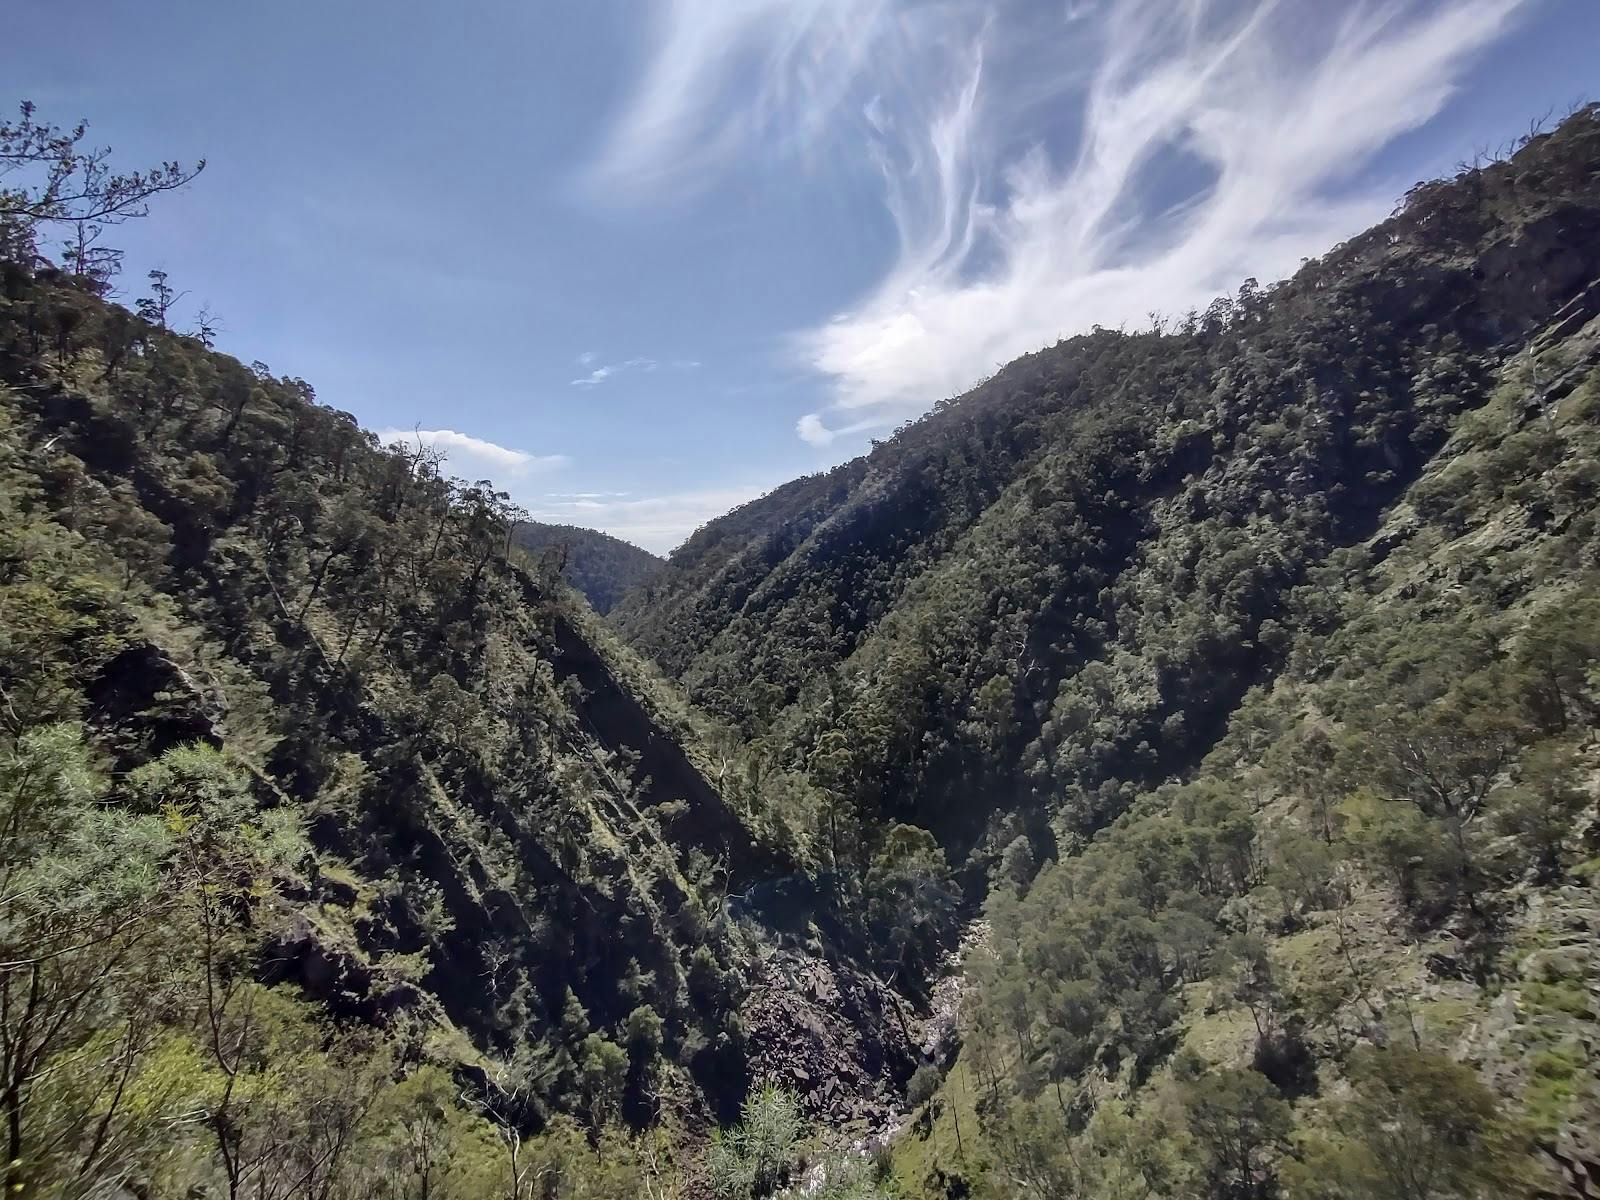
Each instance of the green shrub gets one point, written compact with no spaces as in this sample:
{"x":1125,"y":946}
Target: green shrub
{"x":924,"y":1083}
{"x":755,"y":1157}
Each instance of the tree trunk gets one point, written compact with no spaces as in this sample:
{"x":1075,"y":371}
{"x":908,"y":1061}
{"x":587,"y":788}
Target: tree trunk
{"x":316,"y":584}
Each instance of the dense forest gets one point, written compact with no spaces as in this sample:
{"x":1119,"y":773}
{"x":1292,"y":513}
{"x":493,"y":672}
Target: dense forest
{"x":1054,"y":590}
{"x":1233,"y":684}
{"x":345,"y":854}
{"x":1247,"y":665}
{"x":602,"y":567}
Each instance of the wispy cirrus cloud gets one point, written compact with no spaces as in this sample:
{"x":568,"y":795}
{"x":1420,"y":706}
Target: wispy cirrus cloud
{"x":607,"y":371}
{"x":724,"y":74}
{"x":1212,"y":147}
{"x":474,"y":457}
{"x":1047,"y":166}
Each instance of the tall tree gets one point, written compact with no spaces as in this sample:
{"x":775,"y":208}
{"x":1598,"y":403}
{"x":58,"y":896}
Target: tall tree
{"x":51,"y":175}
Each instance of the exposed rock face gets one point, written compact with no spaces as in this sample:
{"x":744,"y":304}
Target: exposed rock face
{"x":840,"y":1040}
{"x":341,"y":979}
{"x":144,"y":703}
{"x":845,"y":1043}
{"x":617,"y":719}
{"x":940,"y":1037}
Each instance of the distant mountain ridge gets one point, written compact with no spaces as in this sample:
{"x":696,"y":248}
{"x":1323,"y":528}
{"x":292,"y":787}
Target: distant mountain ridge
{"x":599,"y":565}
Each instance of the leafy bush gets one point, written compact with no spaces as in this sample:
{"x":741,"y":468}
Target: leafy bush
{"x":755,"y":1157}
{"x":924,"y":1083}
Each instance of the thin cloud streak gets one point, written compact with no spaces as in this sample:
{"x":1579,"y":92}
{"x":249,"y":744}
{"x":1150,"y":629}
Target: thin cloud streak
{"x":811,"y":429}
{"x":693,"y":109}
{"x":609,"y":370}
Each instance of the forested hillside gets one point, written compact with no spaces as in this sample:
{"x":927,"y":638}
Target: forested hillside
{"x":1354,"y":953}
{"x":1272,"y":633}
{"x":1054,"y":589}
{"x":345,"y":854}
{"x":600,"y":566}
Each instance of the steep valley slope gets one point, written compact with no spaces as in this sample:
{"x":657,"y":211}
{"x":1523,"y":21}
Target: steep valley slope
{"x":1054,"y":589}
{"x":1244,"y":671}
{"x":358,"y":760}
{"x":1272,"y":634}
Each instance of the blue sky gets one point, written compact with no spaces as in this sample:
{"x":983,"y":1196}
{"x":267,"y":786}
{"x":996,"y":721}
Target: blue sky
{"x":640,"y":260}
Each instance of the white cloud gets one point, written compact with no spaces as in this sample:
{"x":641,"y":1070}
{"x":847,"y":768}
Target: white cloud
{"x":586,"y":358}
{"x":692,"y":109}
{"x":814,"y":431}
{"x":658,"y":523}
{"x":472,"y":457}
{"x":1265,"y":133}
{"x":646,"y":365}
{"x":1047,"y":167}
